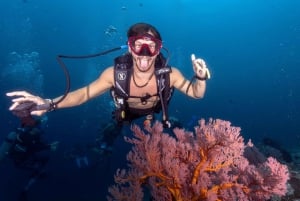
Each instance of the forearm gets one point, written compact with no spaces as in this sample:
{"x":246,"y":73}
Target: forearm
{"x":197,"y":89}
{"x":82,"y":95}
{"x":73,"y":98}
{"x":194,"y":88}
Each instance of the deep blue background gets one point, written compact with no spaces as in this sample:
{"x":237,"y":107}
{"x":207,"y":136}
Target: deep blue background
{"x":252,"y":49}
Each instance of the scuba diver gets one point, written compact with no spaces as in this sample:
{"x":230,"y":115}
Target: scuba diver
{"x":106,"y":136}
{"x":26,"y":148}
{"x":141,"y":82}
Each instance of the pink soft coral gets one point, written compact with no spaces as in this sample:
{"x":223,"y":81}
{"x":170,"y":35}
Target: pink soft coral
{"x":207,"y":165}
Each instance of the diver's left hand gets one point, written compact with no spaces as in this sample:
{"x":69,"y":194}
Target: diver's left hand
{"x":200,"y":68}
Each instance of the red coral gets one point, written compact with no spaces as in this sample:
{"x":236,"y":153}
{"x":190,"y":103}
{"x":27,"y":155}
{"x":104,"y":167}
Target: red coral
{"x":207,"y":165}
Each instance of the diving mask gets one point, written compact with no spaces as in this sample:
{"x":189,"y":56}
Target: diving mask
{"x":150,"y":48}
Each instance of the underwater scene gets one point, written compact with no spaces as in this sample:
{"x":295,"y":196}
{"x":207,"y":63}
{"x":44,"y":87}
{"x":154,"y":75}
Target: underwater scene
{"x":240,"y":141}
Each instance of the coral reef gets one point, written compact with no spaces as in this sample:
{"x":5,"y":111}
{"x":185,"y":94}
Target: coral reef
{"x":209,"y":164}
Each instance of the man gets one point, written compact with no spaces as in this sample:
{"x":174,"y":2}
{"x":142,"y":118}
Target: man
{"x":140,"y":81}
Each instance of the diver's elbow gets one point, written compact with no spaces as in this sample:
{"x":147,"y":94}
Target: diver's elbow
{"x":198,"y":96}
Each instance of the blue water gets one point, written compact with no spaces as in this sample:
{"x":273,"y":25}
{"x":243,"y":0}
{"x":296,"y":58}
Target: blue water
{"x":252,"y":49}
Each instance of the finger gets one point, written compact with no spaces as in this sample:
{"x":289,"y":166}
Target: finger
{"x":193,"y":57}
{"x":34,"y":99}
{"x":14,"y":93}
{"x":21,"y":99}
{"x":18,"y":93}
{"x":38,"y":112}
{"x":198,"y":66}
{"x":28,"y":98}
{"x":13,"y":106}
{"x":200,"y":62}
{"x":208,"y":73}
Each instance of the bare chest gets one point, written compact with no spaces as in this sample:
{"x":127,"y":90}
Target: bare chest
{"x":143,"y":94}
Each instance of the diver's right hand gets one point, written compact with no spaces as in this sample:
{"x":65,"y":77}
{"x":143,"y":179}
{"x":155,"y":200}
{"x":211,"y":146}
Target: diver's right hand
{"x":23,"y":96}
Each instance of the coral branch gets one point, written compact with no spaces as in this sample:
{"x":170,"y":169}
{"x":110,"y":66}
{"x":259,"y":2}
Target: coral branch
{"x":198,"y":167}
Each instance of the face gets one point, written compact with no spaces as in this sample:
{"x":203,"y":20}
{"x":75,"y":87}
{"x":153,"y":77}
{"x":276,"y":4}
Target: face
{"x":144,"y":50}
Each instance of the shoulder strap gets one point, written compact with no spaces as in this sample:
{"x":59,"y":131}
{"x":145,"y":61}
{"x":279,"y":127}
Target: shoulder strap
{"x":165,"y":91}
{"x":122,"y":72}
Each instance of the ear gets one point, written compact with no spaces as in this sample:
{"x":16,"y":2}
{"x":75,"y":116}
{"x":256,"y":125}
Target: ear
{"x":129,"y":50}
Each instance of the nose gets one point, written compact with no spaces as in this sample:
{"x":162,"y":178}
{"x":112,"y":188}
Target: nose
{"x":145,"y":50}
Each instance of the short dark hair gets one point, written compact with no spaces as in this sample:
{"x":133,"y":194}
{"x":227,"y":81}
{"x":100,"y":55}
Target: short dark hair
{"x":141,"y":29}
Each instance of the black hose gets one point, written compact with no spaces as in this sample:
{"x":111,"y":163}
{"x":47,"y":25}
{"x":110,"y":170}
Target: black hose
{"x":65,"y":69}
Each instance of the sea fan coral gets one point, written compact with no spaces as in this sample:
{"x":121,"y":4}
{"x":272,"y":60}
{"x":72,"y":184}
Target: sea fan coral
{"x":206,"y":165}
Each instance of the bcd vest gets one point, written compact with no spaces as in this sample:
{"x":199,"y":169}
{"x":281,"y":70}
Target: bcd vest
{"x":120,"y":92}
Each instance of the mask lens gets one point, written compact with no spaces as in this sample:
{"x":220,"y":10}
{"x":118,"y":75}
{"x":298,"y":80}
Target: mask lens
{"x":150,"y":48}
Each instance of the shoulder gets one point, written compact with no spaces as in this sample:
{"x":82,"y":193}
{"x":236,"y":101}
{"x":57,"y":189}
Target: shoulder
{"x":175,"y":71}
{"x":108,"y":70}
{"x":102,"y":83}
{"x":107,"y":73}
